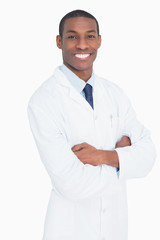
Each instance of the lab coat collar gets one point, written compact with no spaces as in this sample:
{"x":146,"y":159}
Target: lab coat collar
{"x":63,"y":82}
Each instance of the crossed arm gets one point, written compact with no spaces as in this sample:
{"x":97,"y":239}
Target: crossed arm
{"x":90,"y":155}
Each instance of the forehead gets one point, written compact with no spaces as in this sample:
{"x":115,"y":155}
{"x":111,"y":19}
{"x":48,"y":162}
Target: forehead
{"x":80,"y":24}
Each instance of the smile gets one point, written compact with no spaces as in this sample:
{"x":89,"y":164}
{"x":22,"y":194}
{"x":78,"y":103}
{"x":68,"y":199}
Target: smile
{"x":82,"y":56}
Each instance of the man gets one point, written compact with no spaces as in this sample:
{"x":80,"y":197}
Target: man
{"x":89,"y":140}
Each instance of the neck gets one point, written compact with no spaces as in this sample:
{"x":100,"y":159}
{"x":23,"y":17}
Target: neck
{"x":85,"y":75}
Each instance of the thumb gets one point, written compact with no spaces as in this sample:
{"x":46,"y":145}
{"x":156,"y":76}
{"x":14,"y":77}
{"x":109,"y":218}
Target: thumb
{"x":78,"y":147}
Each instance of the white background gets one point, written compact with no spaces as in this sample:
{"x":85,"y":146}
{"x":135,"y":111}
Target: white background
{"x":129,"y":56}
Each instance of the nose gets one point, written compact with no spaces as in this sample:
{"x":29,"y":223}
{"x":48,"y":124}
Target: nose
{"x":82,"y":44}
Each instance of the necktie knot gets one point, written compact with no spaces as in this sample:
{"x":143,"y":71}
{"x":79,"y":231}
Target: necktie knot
{"x":88,"y":94}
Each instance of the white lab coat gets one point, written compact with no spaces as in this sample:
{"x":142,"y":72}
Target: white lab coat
{"x":87,"y":202}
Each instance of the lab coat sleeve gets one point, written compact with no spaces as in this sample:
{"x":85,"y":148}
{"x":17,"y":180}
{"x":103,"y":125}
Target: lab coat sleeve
{"x":138,"y":159}
{"x":69,"y":176}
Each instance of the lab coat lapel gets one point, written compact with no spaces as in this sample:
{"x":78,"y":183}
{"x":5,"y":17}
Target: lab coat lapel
{"x":70,"y":90}
{"x":79,"y":99}
{"x":101,"y":99}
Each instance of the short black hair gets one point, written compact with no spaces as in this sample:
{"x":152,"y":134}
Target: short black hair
{"x":76,"y":13}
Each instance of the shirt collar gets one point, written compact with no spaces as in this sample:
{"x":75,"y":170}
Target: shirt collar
{"x":76,"y":82}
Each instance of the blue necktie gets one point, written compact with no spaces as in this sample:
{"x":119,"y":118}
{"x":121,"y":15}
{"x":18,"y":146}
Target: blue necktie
{"x":88,"y":94}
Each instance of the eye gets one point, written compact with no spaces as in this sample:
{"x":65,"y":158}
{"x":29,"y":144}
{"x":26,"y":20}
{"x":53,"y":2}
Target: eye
{"x":72,"y":37}
{"x":91,"y":36}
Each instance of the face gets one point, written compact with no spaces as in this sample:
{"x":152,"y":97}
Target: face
{"x":79,"y":44}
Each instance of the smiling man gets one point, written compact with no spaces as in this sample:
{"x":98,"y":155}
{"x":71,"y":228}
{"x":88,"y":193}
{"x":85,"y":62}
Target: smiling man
{"x":89,"y":140}
{"x":79,"y":42}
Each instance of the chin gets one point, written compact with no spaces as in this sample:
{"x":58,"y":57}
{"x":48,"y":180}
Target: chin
{"x":83,"y":67}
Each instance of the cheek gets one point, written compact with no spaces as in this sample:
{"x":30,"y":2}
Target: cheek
{"x":67,"y":46}
{"x":67,"y":56}
{"x":66,"y":50}
{"x":96,"y":46}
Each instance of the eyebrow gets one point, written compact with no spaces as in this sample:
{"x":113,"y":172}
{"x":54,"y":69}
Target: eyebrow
{"x":89,"y":31}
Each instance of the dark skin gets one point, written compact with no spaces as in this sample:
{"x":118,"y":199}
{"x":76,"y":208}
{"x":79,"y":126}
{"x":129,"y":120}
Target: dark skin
{"x":79,"y":44}
{"x":90,"y":155}
{"x":79,"y":37}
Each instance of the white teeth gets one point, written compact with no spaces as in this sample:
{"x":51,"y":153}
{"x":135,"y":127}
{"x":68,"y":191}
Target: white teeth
{"x":82,"y":55}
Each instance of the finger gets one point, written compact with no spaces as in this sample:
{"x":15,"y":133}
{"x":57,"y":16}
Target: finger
{"x":78,"y":147}
{"x":126,"y":140}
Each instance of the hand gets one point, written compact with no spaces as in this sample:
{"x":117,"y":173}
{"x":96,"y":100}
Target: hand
{"x":87,"y":154}
{"x":124,"y":142}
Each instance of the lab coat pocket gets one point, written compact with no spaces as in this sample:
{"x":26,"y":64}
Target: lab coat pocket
{"x":109,"y":131}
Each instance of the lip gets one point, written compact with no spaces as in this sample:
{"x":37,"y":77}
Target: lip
{"x":82,"y":56}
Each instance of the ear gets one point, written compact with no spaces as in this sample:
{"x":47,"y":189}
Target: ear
{"x":99,"y":41}
{"x":59,"y":41}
